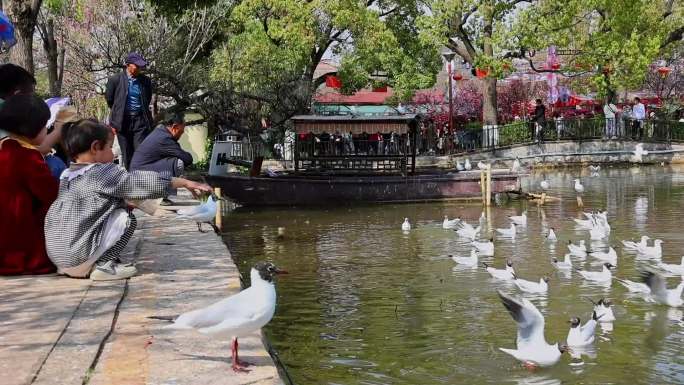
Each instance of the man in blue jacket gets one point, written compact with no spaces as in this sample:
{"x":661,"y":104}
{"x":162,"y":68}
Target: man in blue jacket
{"x":128,"y":95}
{"x":160,"y":150}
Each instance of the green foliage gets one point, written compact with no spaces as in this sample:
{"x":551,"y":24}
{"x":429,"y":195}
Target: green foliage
{"x":617,"y":39}
{"x":513,"y":133}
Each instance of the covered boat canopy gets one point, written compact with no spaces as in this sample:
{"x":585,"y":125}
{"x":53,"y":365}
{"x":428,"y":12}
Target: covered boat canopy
{"x":356,"y":125}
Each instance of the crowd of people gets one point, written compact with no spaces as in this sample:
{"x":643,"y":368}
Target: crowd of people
{"x":66,"y":205}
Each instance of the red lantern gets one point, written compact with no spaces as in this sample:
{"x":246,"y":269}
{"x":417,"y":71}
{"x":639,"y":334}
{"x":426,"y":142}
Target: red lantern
{"x":663,"y":71}
{"x":457,"y":76}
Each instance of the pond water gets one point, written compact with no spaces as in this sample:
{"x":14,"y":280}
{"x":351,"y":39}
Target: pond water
{"x":365,"y":303}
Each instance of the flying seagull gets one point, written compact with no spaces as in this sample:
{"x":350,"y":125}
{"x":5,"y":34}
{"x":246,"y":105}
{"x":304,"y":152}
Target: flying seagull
{"x":237,"y":315}
{"x":532,"y":348}
{"x":659,"y":292}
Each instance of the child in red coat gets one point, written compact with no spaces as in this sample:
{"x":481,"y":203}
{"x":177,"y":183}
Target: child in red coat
{"x":28,"y":188}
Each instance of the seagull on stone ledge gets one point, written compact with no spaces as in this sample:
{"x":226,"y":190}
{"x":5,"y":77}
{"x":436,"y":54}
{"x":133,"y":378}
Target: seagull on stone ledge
{"x":237,"y":315}
{"x":204,"y":213}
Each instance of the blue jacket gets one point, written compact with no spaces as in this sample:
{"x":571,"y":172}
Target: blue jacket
{"x":159,"y":152}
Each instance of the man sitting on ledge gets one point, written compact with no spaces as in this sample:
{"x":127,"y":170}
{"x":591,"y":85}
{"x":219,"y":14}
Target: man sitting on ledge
{"x":160,"y":150}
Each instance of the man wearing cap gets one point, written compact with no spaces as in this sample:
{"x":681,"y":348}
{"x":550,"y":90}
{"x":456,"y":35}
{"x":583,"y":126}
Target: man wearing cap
{"x":128,"y":95}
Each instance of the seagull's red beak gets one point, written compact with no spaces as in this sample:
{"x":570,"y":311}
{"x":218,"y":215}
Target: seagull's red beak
{"x":279,"y":271}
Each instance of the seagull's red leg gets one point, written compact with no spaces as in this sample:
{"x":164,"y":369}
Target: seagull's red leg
{"x":237,"y":366}
{"x":531,"y":366}
{"x":237,"y":359}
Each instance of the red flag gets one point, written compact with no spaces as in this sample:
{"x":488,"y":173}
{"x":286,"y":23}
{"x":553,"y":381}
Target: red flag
{"x":333,"y":81}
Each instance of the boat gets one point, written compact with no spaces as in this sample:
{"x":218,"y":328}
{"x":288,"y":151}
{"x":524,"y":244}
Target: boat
{"x":338,"y":160}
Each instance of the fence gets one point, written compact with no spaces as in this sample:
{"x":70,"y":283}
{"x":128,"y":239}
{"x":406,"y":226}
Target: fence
{"x":485,"y":138}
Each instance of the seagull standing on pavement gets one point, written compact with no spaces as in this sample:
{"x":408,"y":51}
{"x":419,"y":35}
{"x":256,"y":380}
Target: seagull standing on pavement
{"x":467,"y":165}
{"x":459,"y":166}
{"x":532,"y":348}
{"x":237,"y":315}
{"x":203,"y":213}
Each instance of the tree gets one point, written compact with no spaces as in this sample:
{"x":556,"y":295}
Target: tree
{"x":52,"y":34}
{"x":23,"y":14}
{"x":613,"y":41}
{"x":477,"y":31}
{"x":275,"y":47}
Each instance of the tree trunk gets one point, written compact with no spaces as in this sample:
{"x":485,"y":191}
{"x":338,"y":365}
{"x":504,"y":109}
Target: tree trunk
{"x":489,"y":101}
{"x":489,"y":89}
{"x":53,"y":57}
{"x":23,"y":14}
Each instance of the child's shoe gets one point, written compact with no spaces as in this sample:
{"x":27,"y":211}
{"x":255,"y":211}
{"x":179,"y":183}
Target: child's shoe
{"x":112,"y":270}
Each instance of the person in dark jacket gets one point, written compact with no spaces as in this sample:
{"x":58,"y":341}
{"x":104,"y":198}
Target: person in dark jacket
{"x":539,"y":120}
{"x":160,"y":151}
{"x":128,"y":95}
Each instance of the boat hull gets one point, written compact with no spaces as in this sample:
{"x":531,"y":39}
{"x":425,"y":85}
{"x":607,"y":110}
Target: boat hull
{"x":308,"y":191}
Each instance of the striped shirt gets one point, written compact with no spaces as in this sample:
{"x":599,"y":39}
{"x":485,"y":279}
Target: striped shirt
{"x":88,"y":194}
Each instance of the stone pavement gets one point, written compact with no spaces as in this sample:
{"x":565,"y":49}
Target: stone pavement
{"x":56,"y":330}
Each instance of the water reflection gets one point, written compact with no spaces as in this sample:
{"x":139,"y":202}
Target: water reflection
{"x":365,"y":303}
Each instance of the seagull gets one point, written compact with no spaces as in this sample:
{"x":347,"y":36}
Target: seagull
{"x":578,"y":250}
{"x":598,"y":232}
{"x":639,"y":152}
{"x":468,"y":231}
{"x":509,"y":232}
{"x":610,"y":256}
{"x":481,"y":165}
{"x":673,"y":268}
{"x":551,"y":236}
{"x":582,"y":335}
{"x":471,"y":261}
{"x":629,"y":245}
{"x":603,"y":310}
{"x":203,"y":213}
{"x":516,"y":165}
{"x":519,"y":219}
{"x":594,"y":168}
{"x":484,"y":248}
{"x":503,"y":274}
{"x":634,"y":287}
{"x":659,"y":292}
{"x":562,"y":265}
{"x":544,"y":184}
{"x":655,"y":251}
{"x":604,"y":275}
{"x":450,"y":223}
{"x":459,"y":166}
{"x":578,"y":186}
{"x":532,"y":287}
{"x":406,"y":226}
{"x":532,"y":348}
{"x":467,"y":165}
{"x":237,"y":315}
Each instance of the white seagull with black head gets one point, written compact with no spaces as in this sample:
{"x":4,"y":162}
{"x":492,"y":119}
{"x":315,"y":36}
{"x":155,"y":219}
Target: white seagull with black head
{"x":532,"y":348}
{"x":237,"y":315}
